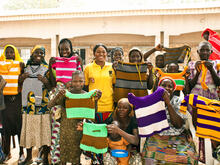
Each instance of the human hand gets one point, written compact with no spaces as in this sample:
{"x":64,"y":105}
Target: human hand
{"x":79,"y":126}
{"x":98,"y":94}
{"x":61,"y":93}
{"x":209,"y":65}
{"x":115,"y":64}
{"x":159,"y":47}
{"x":187,"y":74}
{"x":24,"y":76}
{"x":51,"y":62}
{"x":166,"y":97}
{"x":198,"y":66}
{"x":149,"y":65}
{"x":42,"y":79}
{"x":112,"y":128}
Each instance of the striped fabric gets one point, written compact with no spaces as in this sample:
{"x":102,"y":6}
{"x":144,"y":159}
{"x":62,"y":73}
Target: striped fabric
{"x":176,"y":55}
{"x":130,"y":78}
{"x":208,"y":115}
{"x":80,"y":106}
{"x":150,"y":113}
{"x":10,"y":71}
{"x":65,"y":67}
{"x":177,"y":77}
{"x":94,"y":138}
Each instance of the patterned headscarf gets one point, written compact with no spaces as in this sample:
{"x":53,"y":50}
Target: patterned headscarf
{"x":30,"y":60}
{"x":17,"y":55}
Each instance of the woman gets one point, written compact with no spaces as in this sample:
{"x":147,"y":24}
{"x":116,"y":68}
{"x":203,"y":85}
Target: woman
{"x":11,"y":115}
{"x":100,"y":75}
{"x":172,"y":145}
{"x":36,"y":130}
{"x":66,"y":51}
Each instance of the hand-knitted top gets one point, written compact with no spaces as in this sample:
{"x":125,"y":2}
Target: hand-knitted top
{"x":130,"y":78}
{"x":208,"y":115}
{"x":65,"y":67}
{"x":177,"y":77}
{"x":10,"y":71}
{"x":94,"y":138}
{"x":150,"y":113}
{"x":80,"y":106}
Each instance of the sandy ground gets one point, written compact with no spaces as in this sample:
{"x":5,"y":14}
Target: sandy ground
{"x":15,"y":156}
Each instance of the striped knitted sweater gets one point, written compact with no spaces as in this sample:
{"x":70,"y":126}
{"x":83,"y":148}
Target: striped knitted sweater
{"x":208,"y":115}
{"x":130,"y":78}
{"x":94,"y":138}
{"x":176,"y":55}
{"x":177,"y":77}
{"x":65,"y":67}
{"x":80,"y":106}
{"x":150,"y":113}
{"x":10,"y":71}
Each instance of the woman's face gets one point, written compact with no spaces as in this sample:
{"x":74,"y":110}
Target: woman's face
{"x":168,"y":85}
{"x":100,"y":54}
{"x":10,"y":53}
{"x":159,"y":61}
{"x":65,"y":50}
{"x":123,"y":109}
{"x":172,"y":68}
{"x":117,"y":56}
{"x":204,"y":52}
{"x":38,"y":56}
{"x":135,"y":57}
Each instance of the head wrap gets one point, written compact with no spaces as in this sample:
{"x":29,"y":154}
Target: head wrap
{"x":169,"y":78}
{"x":131,"y":112}
{"x":30,"y":60}
{"x":114,"y":50}
{"x":17,"y":55}
{"x":135,"y":49}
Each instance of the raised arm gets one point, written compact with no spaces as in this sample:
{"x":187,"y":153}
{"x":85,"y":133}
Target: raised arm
{"x":159,"y":47}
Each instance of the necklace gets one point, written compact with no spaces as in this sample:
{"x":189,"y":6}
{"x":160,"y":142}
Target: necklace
{"x":34,"y":69}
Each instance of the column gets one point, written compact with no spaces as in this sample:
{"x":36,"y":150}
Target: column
{"x":54,"y":45}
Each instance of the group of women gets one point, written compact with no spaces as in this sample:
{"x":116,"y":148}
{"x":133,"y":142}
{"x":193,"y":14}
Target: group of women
{"x":40,"y":122}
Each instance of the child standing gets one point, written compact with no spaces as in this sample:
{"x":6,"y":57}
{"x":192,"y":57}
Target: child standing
{"x":69,"y":136}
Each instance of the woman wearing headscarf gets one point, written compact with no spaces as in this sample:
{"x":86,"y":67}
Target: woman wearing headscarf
{"x":11,"y":66}
{"x":36,"y":130}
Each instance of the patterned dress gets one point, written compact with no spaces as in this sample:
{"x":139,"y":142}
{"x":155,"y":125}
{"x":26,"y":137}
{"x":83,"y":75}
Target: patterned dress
{"x":170,"y":146}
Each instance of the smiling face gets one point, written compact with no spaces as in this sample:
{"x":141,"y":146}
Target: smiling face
{"x":135,"y":56}
{"x":10,"y":53}
{"x":38,"y":56}
{"x":100,"y":54}
{"x":168,"y":85}
{"x":64,"y":49}
{"x":117,"y":56}
{"x":204,"y":51}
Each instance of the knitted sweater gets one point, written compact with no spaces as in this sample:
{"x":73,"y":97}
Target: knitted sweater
{"x":94,"y":138}
{"x":150,"y":113}
{"x":10,"y":71}
{"x":130,"y":78}
{"x":176,"y":55}
{"x":177,"y":77}
{"x":65,"y":67}
{"x":33,"y":84}
{"x":80,"y":106}
{"x":208,"y":115}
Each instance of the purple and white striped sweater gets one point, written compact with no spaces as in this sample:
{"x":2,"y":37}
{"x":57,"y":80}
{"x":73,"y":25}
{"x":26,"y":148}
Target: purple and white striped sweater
{"x":150,"y":113}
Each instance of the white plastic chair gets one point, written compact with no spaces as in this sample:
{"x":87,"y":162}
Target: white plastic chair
{"x":208,"y":146}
